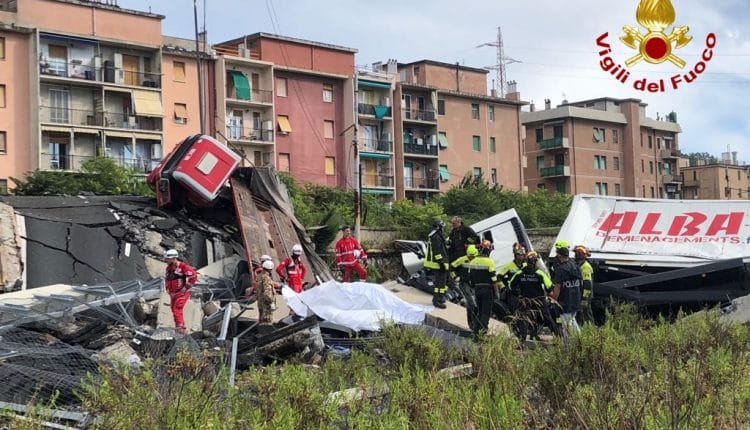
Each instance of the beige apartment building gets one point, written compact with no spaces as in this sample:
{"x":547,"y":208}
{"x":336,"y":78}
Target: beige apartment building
{"x":716,"y":182}
{"x":602,"y":146}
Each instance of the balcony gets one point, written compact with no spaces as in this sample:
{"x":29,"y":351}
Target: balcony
{"x":73,"y":163}
{"x":376,"y":145}
{"x":670,"y":153}
{"x":250,"y":134}
{"x":671,"y":179}
{"x":554,"y":143}
{"x":370,"y":180}
{"x":421,"y":184}
{"x":555,"y":171}
{"x":73,"y":117}
{"x":256,"y":96}
{"x":415,"y":149}
{"x":108,"y":74}
{"x":419,"y":115}
{"x":378,"y":111}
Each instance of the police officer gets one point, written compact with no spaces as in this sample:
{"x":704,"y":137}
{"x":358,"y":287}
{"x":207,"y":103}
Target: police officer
{"x":531,"y":285}
{"x":436,"y":263}
{"x":567,"y":282}
{"x":481,"y":273}
{"x":460,"y":272}
{"x":587,"y":275}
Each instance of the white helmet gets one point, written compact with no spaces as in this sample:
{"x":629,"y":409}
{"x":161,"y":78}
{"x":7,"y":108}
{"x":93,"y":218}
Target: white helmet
{"x":356,"y":253}
{"x":297,"y":249}
{"x":265,"y":257}
{"x":172,"y":253}
{"x":268,"y":265}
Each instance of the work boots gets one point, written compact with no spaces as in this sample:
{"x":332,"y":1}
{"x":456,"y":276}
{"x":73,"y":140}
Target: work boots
{"x":438,"y":300}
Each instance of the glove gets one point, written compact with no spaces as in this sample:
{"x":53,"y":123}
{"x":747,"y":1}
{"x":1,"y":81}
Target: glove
{"x":446,"y":266}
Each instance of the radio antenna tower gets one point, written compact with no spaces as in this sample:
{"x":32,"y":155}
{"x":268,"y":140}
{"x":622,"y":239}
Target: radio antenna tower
{"x":501,"y":84}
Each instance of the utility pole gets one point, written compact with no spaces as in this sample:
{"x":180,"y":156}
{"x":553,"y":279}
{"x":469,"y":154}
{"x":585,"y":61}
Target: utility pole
{"x":357,"y":166}
{"x":201,"y":103}
{"x":501,"y":86}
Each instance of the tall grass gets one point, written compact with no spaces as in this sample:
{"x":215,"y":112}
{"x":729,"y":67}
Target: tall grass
{"x":631,"y":373}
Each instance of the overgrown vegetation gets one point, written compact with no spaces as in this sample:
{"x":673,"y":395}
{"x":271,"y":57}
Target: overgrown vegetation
{"x":99,"y":175}
{"x":631,"y":373}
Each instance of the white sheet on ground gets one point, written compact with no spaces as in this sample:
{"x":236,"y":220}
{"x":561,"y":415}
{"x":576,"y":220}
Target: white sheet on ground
{"x":357,"y":305}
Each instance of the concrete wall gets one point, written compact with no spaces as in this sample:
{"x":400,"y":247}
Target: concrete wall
{"x":308,"y":57}
{"x":15,"y":117}
{"x":454,"y":79}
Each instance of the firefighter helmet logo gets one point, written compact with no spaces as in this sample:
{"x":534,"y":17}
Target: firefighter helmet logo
{"x":655,"y":46}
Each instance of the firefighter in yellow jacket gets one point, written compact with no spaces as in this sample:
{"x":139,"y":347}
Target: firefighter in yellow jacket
{"x":436,"y":263}
{"x":482,"y":277}
{"x":587,"y":274}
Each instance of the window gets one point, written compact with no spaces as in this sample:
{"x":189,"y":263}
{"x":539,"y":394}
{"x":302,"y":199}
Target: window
{"x":643,"y":168}
{"x":493,"y":176}
{"x":283,"y":162}
{"x":179,"y":71}
{"x":600,"y":162}
{"x":615,"y":137}
{"x":600,"y":188}
{"x":2,"y":48}
{"x":477,"y":172}
{"x":557,"y":131}
{"x":441,"y":107}
{"x":444,"y":175}
{"x":650,"y":143}
{"x":617,"y":189}
{"x":616,"y":163}
{"x":2,"y":96}
{"x":643,"y":191}
{"x":653,"y":194}
{"x":540,"y":162}
{"x":476,"y":143}
{"x":491,"y":112}
{"x":285,"y":127}
{"x":641,"y":140}
{"x":328,"y":129}
{"x":281,"y":87}
{"x":493,"y":145}
{"x":3,"y":186}
{"x":661,"y":168}
{"x":180,"y":113}
{"x":599,"y":135}
{"x":560,"y":187}
{"x":658,"y":143}
{"x":651,"y":167}
{"x":327,"y":93}
{"x":474,"y":111}
{"x":539,"y":134}
{"x":695,"y":176}
{"x":330,"y":165}
{"x":3,"y":143}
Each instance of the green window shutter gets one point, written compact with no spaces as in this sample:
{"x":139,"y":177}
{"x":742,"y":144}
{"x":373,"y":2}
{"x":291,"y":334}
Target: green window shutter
{"x":241,"y":85}
{"x":443,"y":139}
{"x":476,"y":143}
{"x":444,"y":175}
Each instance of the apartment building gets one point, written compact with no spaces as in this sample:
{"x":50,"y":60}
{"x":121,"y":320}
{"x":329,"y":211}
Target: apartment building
{"x":449,"y":127}
{"x":84,"y":80}
{"x":313,"y":104}
{"x":722,"y":181}
{"x":603,"y":146}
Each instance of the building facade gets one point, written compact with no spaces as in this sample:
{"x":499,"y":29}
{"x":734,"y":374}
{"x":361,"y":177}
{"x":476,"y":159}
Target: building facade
{"x":603,"y":146}
{"x":716,"y":182}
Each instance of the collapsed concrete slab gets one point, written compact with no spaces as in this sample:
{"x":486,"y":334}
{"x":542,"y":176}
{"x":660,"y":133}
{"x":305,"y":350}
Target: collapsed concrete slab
{"x":738,"y":311}
{"x":118,"y":354}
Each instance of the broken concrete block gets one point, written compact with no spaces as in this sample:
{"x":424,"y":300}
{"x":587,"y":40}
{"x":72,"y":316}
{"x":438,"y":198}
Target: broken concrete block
{"x":235,"y":310}
{"x":165,"y":224}
{"x":143,"y":310}
{"x":152,"y":242}
{"x":119,"y":353}
{"x":211,"y":308}
{"x":738,"y":311}
{"x":221,"y":269}
{"x":167,"y":242}
{"x":11,"y":268}
{"x":156,"y":268}
{"x":193,"y":314}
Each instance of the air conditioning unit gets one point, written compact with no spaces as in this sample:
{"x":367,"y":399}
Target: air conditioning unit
{"x":244,"y":53}
{"x":419,"y":141}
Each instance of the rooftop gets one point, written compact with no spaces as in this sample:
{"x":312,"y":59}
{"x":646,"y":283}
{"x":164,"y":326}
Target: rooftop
{"x":110,"y":5}
{"x":446,"y":65}
{"x":261,"y":35}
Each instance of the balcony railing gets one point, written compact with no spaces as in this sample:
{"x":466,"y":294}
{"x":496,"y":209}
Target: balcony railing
{"x":421,"y":183}
{"x":670,"y":153}
{"x":73,"y":163}
{"x":66,"y":116}
{"x":377,"y":145}
{"x":236,"y":132}
{"x":257,"y":96}
{"x":560,"y":170}
{"x":671,"y":179}
{"x":419,"y":115}
{"x":413,"y":148}
{"x":109,"y":74}
{"x":380,"y":180}
{"x":379,"y":111}
{"x":554,"y":143}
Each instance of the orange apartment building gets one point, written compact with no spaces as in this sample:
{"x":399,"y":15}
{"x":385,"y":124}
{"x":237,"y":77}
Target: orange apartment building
{"x":82,"y":79}
{"x":721,"y":181}
{"x":603,"y":146}
{"x":313,"y":104}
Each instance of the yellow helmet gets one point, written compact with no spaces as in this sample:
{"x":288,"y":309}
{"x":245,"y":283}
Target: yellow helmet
{"x":581,"y":251}
{"x":472,"y":251}
{"x":562,"y":244}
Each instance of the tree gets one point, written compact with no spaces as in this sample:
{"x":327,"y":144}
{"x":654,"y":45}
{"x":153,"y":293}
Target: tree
{"x":695,"y":157}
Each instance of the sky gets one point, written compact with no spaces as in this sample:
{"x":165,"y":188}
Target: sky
{"x":554,"y":42}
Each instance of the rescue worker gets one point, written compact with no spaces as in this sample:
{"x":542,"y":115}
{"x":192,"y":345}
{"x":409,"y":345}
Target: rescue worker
{"x":295,"y":269}
{"x":482,"y":277}
{"x":531,"y":286}
{"x":460,"y":272}
{"x":257,"y":270}
{"x":460,"y":238}
{"x":266,"y":294}
{"x":567,"y":282}
{"x":436,"y":264}
{"x":587,"y":275}
{"x":348,"y":255}
{"x":510,"y":269}
{"x":180,"y":278}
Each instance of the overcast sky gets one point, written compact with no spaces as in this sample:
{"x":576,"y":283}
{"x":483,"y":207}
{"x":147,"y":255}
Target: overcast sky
{"x":554,"y":40}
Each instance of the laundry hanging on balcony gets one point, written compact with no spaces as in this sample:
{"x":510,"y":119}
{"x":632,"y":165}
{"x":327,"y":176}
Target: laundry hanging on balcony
{"x":241,"y":85}
{"x":381,"y":111}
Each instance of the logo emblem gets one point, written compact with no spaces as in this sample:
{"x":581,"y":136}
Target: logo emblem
{"x":655,"y":46}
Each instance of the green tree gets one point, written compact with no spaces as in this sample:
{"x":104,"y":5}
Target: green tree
{"x":696,"y":157}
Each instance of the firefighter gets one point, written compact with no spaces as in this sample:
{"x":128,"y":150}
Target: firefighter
{"x":587,"y":275}
{"x":348,"y":255}
{"x":266,"y":294}
{"x":180,"y":278}
{"x":510,"y":269}
{"x":295,"y":269}
{"x":531,"y":286}
{"x":460,"y":238}
{"x":460,"y":272}
{"x":482,"y":277}
{"x":436,"y":264}
{"x":567,"y":282}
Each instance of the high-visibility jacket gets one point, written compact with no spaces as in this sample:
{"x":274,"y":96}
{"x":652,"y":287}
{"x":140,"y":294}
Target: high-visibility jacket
{"x":481,"y":271}
{"x":587,"y":274}
{"x":179,"y":275}
{"x":530,"y":282}
{"x":295,"y":272}
{"x":345,"y":248}
{"x":508,"y":270}
{"x":437,"y":251}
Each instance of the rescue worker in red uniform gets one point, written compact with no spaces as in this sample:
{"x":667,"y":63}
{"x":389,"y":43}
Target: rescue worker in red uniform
{"x":295,"y":269}
{"x":179,"y":279}
{"x":348,"y":255}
